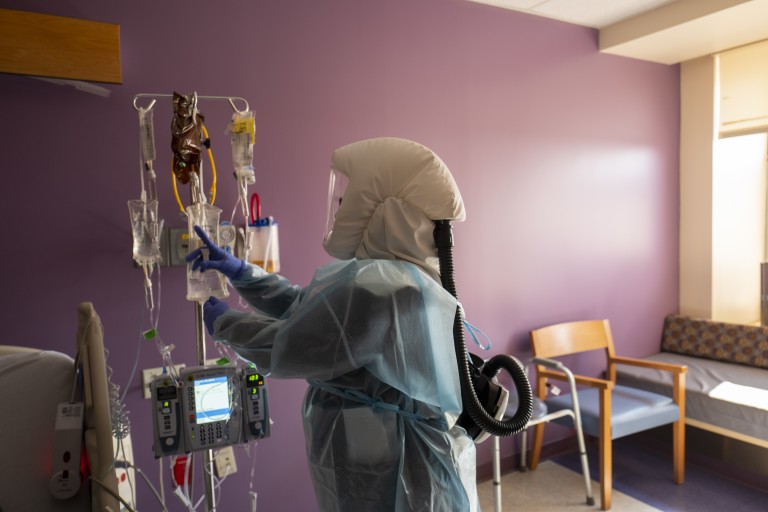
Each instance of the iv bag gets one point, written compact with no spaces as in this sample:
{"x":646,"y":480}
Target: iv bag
{"x":146,"y":231}
{"x":186,"y":136}
{"x":202,"y":285}
{"x":242,"y":130}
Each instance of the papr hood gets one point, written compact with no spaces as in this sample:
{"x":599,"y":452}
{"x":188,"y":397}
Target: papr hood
{"x":397,"y":188}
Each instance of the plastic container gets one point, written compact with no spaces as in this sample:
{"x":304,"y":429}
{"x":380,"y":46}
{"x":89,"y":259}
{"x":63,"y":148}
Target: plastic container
{"x":261,"y":241}
{"x":263,"y":245}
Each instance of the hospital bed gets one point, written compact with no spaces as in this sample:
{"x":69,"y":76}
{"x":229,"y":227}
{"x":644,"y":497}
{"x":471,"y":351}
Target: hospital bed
{"x":33,"y":383}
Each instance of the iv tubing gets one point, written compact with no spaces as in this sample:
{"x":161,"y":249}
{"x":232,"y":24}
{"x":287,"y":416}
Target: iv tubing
{"x":213,"y":164}
{"x":176,"y":189}
{"x":257,"y":210}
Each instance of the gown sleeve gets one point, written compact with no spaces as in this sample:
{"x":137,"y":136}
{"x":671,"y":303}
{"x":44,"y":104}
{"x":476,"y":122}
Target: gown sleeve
{"x":388,"y":318}
{"x":295,"y":333}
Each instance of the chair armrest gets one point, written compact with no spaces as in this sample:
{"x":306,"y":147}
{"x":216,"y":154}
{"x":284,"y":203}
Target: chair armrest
{"x":678,"y":375}
{"x":658,"y":365}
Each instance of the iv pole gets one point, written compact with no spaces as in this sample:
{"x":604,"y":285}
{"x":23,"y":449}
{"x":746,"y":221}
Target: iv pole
{"x":210,"y":504}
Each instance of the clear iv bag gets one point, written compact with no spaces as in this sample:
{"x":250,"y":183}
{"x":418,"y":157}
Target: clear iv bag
{"x":146,"y":231}
{"x":202,"y":285}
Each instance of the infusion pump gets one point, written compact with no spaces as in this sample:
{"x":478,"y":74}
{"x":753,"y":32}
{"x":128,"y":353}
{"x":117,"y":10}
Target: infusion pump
{"x":208,"y":407}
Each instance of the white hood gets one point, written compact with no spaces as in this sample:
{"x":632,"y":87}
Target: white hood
{"x":397,"y":188}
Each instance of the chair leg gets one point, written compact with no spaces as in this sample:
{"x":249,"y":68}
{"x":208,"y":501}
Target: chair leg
{"x":606,"y":472}
{"x":606,"y":447}
{"x":538,"y":437}
{"x":678,"y":448}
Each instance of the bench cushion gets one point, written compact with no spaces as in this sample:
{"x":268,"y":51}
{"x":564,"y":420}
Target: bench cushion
{"x":735,"y":343}
{"x":750,"y":417}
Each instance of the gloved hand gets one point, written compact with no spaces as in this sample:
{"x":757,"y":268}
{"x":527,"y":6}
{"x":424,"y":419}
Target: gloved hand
{"x":218,"y":258}
{"x":213,"y":309}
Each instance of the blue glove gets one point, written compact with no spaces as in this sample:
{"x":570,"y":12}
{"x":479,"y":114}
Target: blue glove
{"x":213,"y":309}
{"x":218,"y":258}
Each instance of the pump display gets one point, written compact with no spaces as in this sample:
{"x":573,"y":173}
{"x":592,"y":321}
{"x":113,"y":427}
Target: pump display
{"x":210,"y":405}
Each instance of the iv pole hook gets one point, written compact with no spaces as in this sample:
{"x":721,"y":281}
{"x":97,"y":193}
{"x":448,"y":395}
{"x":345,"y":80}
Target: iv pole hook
{"x":230,"y":99}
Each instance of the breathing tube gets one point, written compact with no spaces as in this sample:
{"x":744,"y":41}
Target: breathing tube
{"x":476,"y":377}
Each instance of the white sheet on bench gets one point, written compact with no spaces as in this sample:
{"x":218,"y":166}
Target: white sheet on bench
{"x":704,"y":376}
{"x":744,"y":395}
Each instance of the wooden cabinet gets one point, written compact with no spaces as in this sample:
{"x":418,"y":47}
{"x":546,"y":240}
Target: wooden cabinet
{"x":59,"y":47}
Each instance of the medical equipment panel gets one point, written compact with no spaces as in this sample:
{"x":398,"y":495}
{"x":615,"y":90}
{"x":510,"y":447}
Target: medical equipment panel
{"x":65,"y":476}
{"x":210,"y":408}
{"x":166,"y":416}
{"x":255,"y":404}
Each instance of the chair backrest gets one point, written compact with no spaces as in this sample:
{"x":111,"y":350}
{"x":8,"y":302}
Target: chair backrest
{"x":571,"y":338}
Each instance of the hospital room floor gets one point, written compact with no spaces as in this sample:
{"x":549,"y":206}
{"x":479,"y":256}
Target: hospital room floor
{"x":642,"y":482}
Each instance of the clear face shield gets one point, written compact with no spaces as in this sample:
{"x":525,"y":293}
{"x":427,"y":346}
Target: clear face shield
{"x":337,"y":186}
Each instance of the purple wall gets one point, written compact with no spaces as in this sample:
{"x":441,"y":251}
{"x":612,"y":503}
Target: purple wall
{"x":567,"y":160}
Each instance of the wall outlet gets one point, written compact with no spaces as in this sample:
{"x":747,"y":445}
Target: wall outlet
{"x":224,"y":459}
{"x":148,"y":375}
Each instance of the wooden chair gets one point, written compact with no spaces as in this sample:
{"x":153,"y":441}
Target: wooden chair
{"x":608,"y":411}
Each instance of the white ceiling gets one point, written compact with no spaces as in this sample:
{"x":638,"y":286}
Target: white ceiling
{"x":664,"y":31}
{"x":589,"y":13}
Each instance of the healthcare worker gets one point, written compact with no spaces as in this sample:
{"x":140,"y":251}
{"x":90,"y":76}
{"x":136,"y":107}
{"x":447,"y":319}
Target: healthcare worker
{"x":372,"y":334}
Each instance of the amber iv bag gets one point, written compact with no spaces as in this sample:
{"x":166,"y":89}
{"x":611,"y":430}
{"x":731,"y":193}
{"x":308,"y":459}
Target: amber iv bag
{"x":202,"y":285}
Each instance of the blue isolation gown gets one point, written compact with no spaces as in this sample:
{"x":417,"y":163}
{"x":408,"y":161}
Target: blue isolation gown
{"x":374,"y":338}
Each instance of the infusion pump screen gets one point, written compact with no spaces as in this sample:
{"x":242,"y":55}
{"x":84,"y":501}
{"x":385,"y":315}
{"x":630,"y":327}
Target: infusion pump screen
{"x":212,"y":399}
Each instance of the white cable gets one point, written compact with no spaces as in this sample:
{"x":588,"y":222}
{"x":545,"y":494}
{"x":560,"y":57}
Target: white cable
{"x":188,"y":485}
{"x":113,"y":493}
{"x":160,"y":499}
{"x":126,"y":462}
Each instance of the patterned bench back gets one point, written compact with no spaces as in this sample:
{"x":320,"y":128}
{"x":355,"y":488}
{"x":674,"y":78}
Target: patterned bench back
{"x":743,"y":344}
